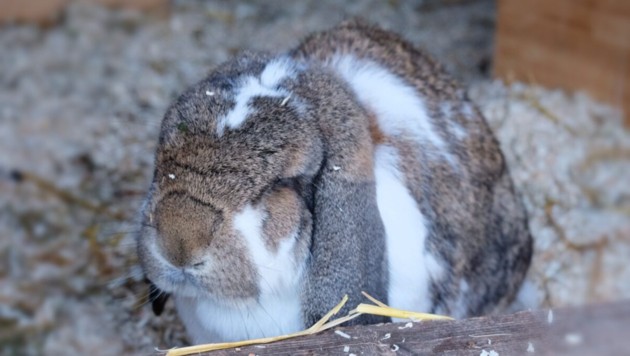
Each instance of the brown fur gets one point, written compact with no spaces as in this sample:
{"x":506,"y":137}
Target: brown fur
{"x":342,"y":124}
{"x":378,"y":137}
{"x":310,"y":163}
{"x":283,"y":209}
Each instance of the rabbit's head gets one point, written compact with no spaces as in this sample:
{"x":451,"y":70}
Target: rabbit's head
{"x":238,"y":166}
{"x":231,"y":197}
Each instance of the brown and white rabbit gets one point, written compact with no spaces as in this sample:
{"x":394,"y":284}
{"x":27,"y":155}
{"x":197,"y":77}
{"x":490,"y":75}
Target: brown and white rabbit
{"x":352,"y":163}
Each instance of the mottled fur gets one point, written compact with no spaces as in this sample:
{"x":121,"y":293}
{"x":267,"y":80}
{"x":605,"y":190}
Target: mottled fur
{"x":479,"y":226}
{"x":307,"y":159}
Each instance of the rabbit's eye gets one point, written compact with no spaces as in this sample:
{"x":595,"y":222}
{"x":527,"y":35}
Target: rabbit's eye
{"x":287,"y":183}
{"x":268,"y":189}
{"x":279,"y":183}
{"x":302,"y":187}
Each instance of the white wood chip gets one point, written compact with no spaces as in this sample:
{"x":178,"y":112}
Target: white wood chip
{"x":530,"y":348}
{"x":488,"y":353}
{"x":342,"y":334}
{"x":573,"y":339}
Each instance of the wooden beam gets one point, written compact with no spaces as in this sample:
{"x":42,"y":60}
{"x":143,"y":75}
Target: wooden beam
{"x":590,"y":330}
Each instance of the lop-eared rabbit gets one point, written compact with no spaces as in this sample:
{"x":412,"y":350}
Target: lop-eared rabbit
{"x":351,"y":163}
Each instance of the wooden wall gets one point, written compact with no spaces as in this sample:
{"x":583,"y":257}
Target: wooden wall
{"x":570,"y":44}
{"x":46,"y":12}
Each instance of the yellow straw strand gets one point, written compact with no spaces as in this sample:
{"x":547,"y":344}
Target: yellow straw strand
{"x":328,"y":315}
{"x":398,"y":313}
{"x":339,"y":321}
{"x":374,"y":300}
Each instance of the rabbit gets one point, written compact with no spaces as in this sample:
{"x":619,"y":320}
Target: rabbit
{"x":349,"y":163}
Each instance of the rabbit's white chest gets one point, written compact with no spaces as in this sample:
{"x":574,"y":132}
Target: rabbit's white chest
{"x":206,"y":321}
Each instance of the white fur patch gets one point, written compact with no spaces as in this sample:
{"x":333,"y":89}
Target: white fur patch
{"x":265,"y":85}
{"x":249,"y":223}
{"x":276,"y":71}
{"x":277,"y":310}
{"x":207,"y":321}
{"x":279,"y":270}
{"x":398,"y":106}
{"x":250,"y":89}
{"x":411,"y":267}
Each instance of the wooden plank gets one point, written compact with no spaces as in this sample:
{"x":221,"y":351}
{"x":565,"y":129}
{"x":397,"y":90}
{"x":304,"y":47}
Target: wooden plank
{"x":590,"y":330}
{"x":31,"y":11}
{"x":570,"y":44}
{"x":46,"y":12}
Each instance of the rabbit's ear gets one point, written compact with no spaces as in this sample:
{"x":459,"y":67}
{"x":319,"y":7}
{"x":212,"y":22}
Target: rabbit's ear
{"x":348,"y":247}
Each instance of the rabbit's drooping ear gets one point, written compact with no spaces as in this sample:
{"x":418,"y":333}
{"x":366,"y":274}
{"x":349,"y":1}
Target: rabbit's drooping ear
{"x":348,"y":246}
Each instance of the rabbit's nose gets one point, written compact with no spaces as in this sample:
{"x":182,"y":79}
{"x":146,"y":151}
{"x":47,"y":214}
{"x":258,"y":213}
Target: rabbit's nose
{"x":184,"y":249}
{"x":177,"y":252}
{"x":182,"y":256}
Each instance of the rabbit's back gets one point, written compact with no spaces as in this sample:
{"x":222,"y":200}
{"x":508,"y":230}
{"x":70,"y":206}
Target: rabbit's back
{"x":457,"y":235}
